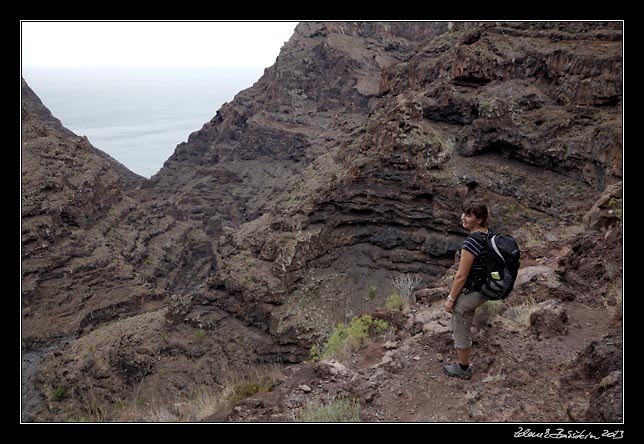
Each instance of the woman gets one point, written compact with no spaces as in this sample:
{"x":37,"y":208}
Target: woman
{"x":464,"y":297}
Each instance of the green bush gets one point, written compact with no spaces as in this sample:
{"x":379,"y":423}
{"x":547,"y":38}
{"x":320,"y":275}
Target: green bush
{"x":341,"y":410}
{"x":349,"y":337}
{"x":315,"y":354}
{"x":395,"y":302}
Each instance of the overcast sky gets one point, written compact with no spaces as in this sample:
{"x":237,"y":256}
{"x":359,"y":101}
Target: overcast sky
{"x":234,"y":44}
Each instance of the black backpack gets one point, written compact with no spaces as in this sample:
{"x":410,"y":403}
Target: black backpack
{"x":503,"y":260}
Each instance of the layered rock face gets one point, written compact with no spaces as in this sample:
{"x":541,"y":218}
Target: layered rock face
{"x":295,"y":207}
{"x":475,"y":110}
{"x":68,"y":188}
{"x":314,"y":98}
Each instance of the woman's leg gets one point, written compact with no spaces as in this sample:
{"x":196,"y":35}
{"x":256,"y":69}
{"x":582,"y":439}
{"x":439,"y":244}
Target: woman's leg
{"x":462,"y":319}
{"x":464,"y":355}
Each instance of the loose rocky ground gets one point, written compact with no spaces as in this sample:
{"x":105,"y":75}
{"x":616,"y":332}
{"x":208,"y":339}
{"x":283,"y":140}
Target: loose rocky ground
{"x":544,"y":355}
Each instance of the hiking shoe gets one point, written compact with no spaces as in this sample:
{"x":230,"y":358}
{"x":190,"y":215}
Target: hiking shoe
{"x":456,"y":370}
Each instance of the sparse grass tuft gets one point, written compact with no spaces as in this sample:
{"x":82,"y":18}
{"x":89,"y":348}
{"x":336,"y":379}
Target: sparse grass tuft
{"x":257,"y":379}
{"x":118,"y":405}
{"x":494,"y":377}
{"x":246,"y":388}
{"x":486,"y":312}
{"x":204,"y":401}
{"x":518,"y":311}
{"x":525,"y":311}
{"x":613,"y":273}
{"x":340,"y":410}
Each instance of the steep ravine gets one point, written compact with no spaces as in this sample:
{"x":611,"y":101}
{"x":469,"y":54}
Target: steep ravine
{"x":293,"y":209}
{"x":388,"y":202}
{"x":99,"y":258}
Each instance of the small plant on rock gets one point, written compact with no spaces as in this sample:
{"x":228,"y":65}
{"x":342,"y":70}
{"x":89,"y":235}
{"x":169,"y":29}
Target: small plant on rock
{"x":349,"y":337}
{"x":58,"y":394}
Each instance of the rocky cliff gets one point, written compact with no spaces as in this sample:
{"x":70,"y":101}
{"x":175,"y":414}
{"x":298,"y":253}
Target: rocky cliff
{"x":107,"y":262}
{"x":381,"y":195}
{"x":297,"y":205}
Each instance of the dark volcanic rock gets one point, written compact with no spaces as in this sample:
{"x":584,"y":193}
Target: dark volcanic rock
{"x":595,"y":262}
{"x":599,"y":369}
{"x":607,"y":401}
{"x":500,"y":87}
{"x":550,"y":319}
{"x":599,"y":359}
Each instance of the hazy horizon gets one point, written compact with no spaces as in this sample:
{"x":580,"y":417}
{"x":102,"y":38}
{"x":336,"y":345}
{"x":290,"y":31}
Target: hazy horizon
{"x":137,"y":115}
{"x":137,"y":89}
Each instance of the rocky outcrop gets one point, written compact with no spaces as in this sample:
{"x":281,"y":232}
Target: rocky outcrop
{"x":524,"y":370}
{"x":598,"y":370}
{"x":607,"y":211}
{"x":33,"y":110}
{"x":67,"y":191}
{"x":596,"y":255}
{"x":314,"y":98}
{"x":549,"y":319}
{"x":505,"y":78}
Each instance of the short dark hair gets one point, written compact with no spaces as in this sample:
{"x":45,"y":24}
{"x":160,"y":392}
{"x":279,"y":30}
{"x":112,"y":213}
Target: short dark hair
{"x":478,"y":209}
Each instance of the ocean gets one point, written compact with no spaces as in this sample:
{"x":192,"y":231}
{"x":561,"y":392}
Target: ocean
{"x":137,"y":115}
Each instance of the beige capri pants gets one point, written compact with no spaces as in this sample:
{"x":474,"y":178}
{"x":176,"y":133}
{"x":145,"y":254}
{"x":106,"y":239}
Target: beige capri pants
{"x":463,"y":315}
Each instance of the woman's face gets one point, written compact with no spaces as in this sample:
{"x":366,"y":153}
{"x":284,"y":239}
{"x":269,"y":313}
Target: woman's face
{"x":470,"y":221}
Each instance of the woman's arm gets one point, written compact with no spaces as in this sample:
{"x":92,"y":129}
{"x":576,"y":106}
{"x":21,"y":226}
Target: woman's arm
{"x":464,"y":267}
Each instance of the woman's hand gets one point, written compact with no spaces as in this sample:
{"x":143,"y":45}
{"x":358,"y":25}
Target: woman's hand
{"x":449,"y":306}
{"x":464,"y":267}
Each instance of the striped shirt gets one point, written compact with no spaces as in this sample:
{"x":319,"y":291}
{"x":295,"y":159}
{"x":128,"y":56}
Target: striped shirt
{"x":476,"y":243}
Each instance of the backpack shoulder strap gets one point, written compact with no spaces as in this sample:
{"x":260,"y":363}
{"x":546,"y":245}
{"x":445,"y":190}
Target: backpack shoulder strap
{"x":485,"y":238}
{"x":492,"y":242}
{"x":480,"y":236}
